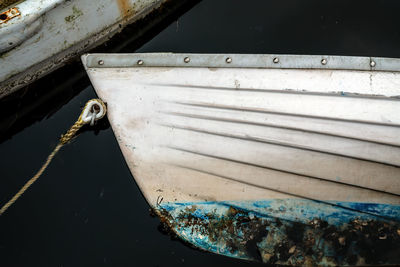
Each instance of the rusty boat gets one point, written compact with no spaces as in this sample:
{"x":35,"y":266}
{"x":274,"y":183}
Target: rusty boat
{"x":283,"y":159}
{"x":37,"y":37}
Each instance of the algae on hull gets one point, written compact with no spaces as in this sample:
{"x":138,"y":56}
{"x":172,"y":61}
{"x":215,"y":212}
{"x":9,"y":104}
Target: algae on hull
{"x":245,"y":234}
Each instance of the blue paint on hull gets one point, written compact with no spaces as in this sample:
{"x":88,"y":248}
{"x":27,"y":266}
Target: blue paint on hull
{"x":291,"y":231}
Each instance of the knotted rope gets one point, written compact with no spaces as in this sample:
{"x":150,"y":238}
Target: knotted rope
{"x":94,"y":110}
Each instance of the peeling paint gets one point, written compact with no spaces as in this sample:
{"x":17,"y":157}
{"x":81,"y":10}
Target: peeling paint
{"x":290,"y":232}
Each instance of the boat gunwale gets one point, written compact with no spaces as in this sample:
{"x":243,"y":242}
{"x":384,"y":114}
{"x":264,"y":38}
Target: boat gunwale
{"x":263,"y":61}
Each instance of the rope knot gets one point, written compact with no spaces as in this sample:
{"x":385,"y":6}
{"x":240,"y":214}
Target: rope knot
{"x":94,"y":110}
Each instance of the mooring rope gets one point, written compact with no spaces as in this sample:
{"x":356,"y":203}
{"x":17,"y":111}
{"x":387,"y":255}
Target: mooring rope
{"x":94,"y":110}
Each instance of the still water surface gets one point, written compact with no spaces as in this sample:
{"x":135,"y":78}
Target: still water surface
{"x":86,"y":210}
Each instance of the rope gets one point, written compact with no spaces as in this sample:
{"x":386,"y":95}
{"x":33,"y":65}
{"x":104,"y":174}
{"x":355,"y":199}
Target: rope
{"x":68,"y":136}
{"x":94,"y":109}
{"x":31,"y":181}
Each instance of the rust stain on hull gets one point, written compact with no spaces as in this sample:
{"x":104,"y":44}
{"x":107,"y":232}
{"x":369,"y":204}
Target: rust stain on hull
{"x":9,"y":14}
{"x":124,"y":7}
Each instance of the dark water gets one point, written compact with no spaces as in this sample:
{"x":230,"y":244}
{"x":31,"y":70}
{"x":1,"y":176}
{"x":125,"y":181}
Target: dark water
{"x":86,"y":209}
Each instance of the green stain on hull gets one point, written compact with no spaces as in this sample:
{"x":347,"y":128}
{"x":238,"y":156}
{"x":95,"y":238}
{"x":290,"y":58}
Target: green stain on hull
{"x":76,"y":13}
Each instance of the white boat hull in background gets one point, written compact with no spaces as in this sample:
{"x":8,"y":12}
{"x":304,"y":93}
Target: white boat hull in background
{"x":284,"y":159}
{"x":37,"y":37}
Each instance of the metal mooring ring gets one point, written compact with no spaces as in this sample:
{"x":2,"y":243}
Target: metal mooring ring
{"x":94,"y":110}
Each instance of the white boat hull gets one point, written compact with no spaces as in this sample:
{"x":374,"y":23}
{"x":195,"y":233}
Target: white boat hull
{"x":261,"y":150}
{"x":42,"y":36}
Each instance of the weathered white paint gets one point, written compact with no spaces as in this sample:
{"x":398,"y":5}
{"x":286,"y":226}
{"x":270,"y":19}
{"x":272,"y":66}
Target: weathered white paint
{"x":198,"y":133}
{"x":27,"y":23}
{"x":49,"y":32}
